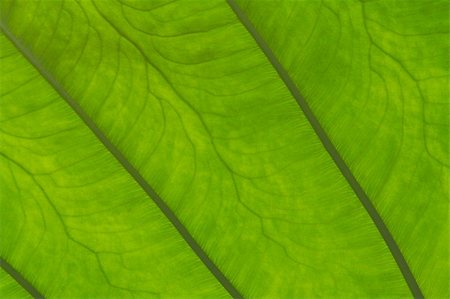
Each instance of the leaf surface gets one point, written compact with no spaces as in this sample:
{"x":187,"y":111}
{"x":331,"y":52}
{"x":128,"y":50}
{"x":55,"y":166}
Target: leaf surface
{"x":74,"y":222}
{"x":134,"y":131}
{"x":10,"y":288}
{"x":380,"y":90}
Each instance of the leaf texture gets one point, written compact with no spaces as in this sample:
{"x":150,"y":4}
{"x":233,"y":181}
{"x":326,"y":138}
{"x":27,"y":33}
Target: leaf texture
{"x":73,"y":220}
{"x":10,"y":288}
{"x":151,"y":148}
{"x":385,"y":107}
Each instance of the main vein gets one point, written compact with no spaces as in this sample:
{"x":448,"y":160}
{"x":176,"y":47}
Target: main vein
{"x":20,"y":279}
{"x":134,"y":173}
{"x":332,"y":151}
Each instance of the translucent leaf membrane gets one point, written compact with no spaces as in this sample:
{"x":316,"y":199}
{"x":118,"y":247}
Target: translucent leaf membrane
{"x":186,"y":95}
{"x":9,"y":288}
{"x":376,"y":76}
{"x":73,"y":221}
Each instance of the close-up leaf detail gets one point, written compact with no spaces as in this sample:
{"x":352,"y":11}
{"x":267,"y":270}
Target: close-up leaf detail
{"x":224,"y":148}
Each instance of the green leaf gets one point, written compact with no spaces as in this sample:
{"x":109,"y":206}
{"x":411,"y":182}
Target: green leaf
{"x":280,"y":149}
{"x":10,"y":288}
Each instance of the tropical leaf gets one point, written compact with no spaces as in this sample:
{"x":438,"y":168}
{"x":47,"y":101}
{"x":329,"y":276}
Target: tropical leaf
{"x":279,"y":149}
{"x":9,"y":287}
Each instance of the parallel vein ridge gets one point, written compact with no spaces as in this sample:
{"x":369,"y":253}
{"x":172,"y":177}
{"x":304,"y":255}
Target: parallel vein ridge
{"x":20,"y":279}
{"x":332,"y":151}
{"x":165,"y":209}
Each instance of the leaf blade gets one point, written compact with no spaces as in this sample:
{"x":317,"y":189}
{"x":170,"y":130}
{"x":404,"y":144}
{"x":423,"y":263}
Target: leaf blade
{"x":366,"y":88}
{"x":102,"y":247}
{"x":14,"y":285}
{"x":233,"y":164}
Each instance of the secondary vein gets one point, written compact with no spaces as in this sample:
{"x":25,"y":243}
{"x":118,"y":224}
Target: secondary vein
{"x":8,"y":268}
{"x":332,"y":151}
{"x":132,"y":171}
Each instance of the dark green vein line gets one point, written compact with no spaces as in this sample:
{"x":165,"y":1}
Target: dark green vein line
{"x":165,"y":209}
{"x":332,"y":151}
{"x":20,"y":279}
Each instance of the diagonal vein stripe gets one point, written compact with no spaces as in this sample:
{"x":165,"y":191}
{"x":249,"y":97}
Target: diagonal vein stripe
{"x":332,"y":151}
{"x":133,"y":172}
{"x":20,"y":279}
